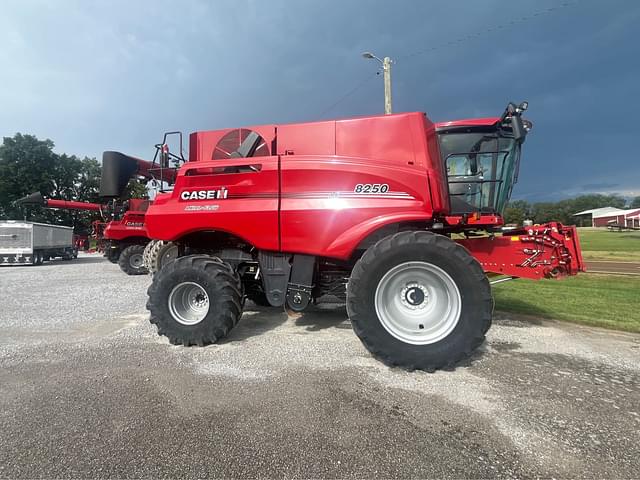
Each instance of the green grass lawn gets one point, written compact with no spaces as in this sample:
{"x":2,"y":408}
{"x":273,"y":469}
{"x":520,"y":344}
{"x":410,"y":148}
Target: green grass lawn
{"x":610,"y":301}
{"x":602,"y":244}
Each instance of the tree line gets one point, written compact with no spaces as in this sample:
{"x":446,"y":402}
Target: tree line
{"x":28,"y":164}
{"x":563,"y":211}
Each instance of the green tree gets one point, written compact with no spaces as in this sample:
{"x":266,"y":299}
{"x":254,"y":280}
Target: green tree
{"x":517,"y":212}
{"x":635,"y":203}
{"x":26,"y":165}
{"x":136,"y":189}
{"x":29,"y":165}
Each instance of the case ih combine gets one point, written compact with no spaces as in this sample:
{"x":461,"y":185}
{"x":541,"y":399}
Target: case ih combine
{"x":364,"y":209}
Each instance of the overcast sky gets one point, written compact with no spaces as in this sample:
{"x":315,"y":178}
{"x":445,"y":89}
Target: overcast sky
{"x":114,"y":75}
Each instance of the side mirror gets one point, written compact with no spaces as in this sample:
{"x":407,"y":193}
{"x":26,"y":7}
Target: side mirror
{"x":517,"y":127}
{"x":513,"y":115}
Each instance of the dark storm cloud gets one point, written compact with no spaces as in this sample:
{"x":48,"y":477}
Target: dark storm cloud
{"x":114,"y":75}
{"x":596,"y":187}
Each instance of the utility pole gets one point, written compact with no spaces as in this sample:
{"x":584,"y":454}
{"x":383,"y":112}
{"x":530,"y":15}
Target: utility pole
{"x":386,"y":71}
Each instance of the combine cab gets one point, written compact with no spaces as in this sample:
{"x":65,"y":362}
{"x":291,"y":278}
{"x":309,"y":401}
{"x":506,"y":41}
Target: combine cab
{"x":397,"y":215}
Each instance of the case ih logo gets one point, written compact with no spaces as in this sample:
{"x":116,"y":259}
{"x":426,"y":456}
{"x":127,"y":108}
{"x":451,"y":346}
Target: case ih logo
{"x":134,"y":224}
{"x":204,"y":194}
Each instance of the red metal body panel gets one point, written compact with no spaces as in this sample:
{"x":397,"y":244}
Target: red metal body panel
{"x":250,"y":210}
{"x":320,"y":213}
{"x":304,"y":201}
{"x":130,"y":226}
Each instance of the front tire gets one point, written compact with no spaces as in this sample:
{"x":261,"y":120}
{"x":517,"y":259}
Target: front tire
{"x":131,"y":262}
{"x":195,"y":300}
{"x":419,"y":301}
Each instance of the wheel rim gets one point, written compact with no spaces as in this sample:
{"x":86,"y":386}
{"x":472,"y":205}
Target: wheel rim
{"x":136,"y":260}
{"x":418,"y":303}
{"x":168,"y":255}
{"x":188,"y":303}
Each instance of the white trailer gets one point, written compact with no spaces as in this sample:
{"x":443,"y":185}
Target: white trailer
{"x":30,"y":242}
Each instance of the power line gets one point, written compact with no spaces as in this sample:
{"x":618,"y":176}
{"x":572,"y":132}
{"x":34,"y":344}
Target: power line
{"x":361,"y":84}
{"x":495,"y":28}
{"x":459,"y":41}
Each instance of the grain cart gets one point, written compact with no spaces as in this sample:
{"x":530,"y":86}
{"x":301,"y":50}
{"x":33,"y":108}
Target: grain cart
{"x":31,"y":242}
{"x":399,"y":216}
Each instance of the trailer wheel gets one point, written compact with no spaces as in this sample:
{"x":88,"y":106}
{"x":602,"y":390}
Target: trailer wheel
{"x":38,"y":258}
{"x":418,"y":300}
{"x":130,"y":260}
{"x":195,"y":300}
{"x":160,"y":254}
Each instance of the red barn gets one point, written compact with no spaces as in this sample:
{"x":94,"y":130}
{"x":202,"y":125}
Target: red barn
{"x":602,"y":217}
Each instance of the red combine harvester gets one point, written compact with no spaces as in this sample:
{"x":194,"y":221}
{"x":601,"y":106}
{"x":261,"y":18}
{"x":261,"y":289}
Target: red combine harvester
{"x":124,"y":236}
{"x":372,"y":210}
{"x":365,"y":209}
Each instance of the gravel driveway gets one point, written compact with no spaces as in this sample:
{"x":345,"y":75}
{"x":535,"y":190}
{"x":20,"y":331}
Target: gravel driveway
{"x":87,"y":389}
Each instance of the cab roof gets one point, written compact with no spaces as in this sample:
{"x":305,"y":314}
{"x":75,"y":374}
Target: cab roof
{"x":470,"y":122}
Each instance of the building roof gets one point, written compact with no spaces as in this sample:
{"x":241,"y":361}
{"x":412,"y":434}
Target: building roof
{"x":601,"y":212}
{"x":609,"y":212}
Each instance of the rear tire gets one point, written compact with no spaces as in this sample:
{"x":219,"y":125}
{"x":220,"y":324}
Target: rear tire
{"x":419,"y":301}
{"x":195,"y":300}
{"x":147,"y":252}
{"x":38,"y":258}
{"x":159,"y":254}
{"x":130,"y":260}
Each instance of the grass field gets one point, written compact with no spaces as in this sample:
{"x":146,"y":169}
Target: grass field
{"x":611,"y":301}
{"x":602,"y":244}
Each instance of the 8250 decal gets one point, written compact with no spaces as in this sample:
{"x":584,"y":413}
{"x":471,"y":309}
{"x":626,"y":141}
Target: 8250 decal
{"x":371,"y":188}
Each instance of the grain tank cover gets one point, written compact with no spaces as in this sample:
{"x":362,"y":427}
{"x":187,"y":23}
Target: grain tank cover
{"x":117,"y":169}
